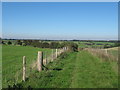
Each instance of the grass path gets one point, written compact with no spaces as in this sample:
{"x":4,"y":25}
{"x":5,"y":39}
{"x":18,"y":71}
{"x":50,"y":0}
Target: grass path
{"x":77,"y":70}
{"x":90,"y":72}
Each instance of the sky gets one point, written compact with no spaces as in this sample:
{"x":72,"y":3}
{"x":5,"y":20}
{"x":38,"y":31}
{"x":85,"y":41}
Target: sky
{"x":60,"y":20}
{"x":0,"y":19}
{"x":60,"y":0}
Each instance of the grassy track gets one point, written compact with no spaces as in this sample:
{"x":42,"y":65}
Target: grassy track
{"x":90,"y":72}
{"x":77,"y":70}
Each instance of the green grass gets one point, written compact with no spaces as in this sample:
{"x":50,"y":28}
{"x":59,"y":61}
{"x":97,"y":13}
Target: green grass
{"x":76,"y":70}
{"x":113,"y":52}
{"x":12,"y":61}
{"x":82,"y":44}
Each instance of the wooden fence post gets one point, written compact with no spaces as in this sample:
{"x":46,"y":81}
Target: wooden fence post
{"x":40,"y":60}
{"x":60,"y":51}
{"x":52,"y":55}
{"x":56,"y":53}
{"x":63,"y":49}
{"x":45,"y":58}
{"x":106,"y":51}
{"x":24,"y":68}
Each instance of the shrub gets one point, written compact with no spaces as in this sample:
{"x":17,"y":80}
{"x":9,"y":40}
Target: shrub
{"x":9,"y":43}
{"x":19,"y":42}
{"x":3,"y":42}
{"x":73,"y":47}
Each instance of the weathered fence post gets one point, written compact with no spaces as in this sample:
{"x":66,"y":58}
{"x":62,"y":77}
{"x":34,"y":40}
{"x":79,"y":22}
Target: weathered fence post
{"x":52,"y":55}
{"x":45,"y":59}
{"x":106,"y":51}
{"x":40,"y":60}
{"x":56,"y":53}
{"x":63,"y":49}
{"x":60,"y":51}
{"x":24,"y":68}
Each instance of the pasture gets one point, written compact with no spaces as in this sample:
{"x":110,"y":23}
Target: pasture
{"x":72,"y":70}
{"x":12,"y":62}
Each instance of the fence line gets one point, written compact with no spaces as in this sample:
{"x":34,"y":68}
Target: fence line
{"x":40,"y":62}
{"x":102,"y":53}
{"x":24,"y":68}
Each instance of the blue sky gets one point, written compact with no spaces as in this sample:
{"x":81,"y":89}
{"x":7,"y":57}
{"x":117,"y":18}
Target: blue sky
{"x":67,"y":20}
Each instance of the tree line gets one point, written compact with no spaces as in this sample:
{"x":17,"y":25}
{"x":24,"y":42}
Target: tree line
{"x":42,"y":44}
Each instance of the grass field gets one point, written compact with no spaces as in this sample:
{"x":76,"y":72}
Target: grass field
{"x":113,"y":51}
{"x":95,"y":44}
{"x":12,"y":61}
{"x":76,"y":70}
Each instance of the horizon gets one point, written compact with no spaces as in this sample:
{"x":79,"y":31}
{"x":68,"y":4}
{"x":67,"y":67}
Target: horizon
{"x":60,"y":21}
{"x":60,"y":39}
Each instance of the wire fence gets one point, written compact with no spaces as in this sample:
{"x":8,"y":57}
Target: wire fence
{"x":43,"y":59}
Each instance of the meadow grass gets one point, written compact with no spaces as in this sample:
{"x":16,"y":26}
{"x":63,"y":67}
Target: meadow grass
{"x":113,"y":52}
{"x":12,"y":61}
{"x":76,"y":70}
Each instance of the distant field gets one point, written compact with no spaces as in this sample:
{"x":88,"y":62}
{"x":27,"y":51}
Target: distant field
{"x":94,"y":44}
{"x":12,"y":61}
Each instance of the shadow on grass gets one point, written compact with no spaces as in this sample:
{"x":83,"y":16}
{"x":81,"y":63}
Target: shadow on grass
{"x":57,"y":69}
{"x":17,"y":86}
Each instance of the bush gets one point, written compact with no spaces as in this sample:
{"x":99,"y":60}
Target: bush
{"x":73,"y":47}
{"x":55,"y":45}
{"x":3,"y":42}
{"x":9,"y":43}
{"x":19,"y":42}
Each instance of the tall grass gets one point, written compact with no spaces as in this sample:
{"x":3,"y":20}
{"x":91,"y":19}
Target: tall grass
{"x":104,"y":54}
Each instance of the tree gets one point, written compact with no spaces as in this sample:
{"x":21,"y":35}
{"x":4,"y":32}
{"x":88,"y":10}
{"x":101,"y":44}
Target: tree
{"x":19,"y":42}
{"x":9,"y":43}
{"x":53,"y":45}
{"x":3,"y":42}
{"x":27,"y":42}
{"x":45,"y":45}
{"x":73,"y":47}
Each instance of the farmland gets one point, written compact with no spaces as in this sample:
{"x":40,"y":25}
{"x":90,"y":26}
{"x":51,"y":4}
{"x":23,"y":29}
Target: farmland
{"x":75,"y":70}
{"x":12,"y":61}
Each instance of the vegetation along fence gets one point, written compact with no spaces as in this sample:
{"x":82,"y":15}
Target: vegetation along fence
{"x":42,"y":60}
